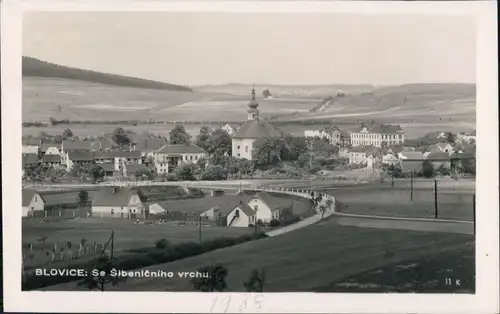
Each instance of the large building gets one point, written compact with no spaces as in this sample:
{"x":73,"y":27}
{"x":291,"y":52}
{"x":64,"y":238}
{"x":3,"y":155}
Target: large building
{"x":170,"y":156}
{"x":378,"y":134}
{"x":253,"y":130}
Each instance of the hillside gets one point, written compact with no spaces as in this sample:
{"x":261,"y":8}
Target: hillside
{"x":37,"y":68}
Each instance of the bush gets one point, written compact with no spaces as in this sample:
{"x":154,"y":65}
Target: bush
{"x":162,"y":244}
{"x":274,"y":223}
{"x":171,"y":177}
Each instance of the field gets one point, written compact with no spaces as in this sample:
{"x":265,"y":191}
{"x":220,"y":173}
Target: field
{"x":454,"y":199}
{"x":76,"y":100}
{"x":303,"y":260}
{"x":127,"y":234}
{"x":419,"y":109}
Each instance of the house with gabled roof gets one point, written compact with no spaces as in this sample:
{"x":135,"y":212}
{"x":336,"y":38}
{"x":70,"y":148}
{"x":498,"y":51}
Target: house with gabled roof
{"x":242,"y":215}
{"x":80,"y":158}
{"x":51,"y":149}
{"x":267,"y":207}
{"x":51,"y":160}
{"x":439,"y":159}
{"x":32,"y":203}
{"x":252,"y":130}
{"x":230,"y":128}
{"x":362,"y":154}
{"x":117,"y":202}
{"x":170,"y":156}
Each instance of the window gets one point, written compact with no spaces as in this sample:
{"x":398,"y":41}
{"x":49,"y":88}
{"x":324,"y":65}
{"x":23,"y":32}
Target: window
{"x":112,"y":211}
{"x":246,"y":149}
{"x":237,"y":213}
{"x":238,"y":146}
{"x":238,"y":155}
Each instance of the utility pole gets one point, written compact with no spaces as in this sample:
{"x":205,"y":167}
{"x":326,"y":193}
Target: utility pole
{"x":112,"y":243}
{"x":199,"y":228}
{"x":392,"y":181}
{"x":411,"y":186}
{"x":435,"y":199}
{"x":474,"y":211}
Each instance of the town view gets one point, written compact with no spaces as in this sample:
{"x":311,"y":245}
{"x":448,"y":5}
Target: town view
{"x":248,"y":185}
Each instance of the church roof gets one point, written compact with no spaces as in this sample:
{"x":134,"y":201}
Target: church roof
{"x":256,"y":129}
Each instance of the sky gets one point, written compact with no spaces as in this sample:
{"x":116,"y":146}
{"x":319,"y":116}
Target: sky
{"x":197,"y":48}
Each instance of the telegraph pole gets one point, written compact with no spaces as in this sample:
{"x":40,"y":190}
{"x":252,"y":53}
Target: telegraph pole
{"x":435,"y":199}
{"x":392,"y":181}
{"x":199,"y":228}
{"x":474,"y":211}
{"x":112,"y":243}
{"x":411,"y":186}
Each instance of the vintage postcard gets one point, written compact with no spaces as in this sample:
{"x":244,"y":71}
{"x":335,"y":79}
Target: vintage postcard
{"x":250,"y":157}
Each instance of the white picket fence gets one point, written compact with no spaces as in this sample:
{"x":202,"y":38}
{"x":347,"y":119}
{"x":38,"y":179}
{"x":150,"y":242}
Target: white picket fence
{"x":308,"y":221}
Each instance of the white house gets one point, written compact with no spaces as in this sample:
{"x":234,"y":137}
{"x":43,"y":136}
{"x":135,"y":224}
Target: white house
{"x":117,"y":202}
{"x":332,"y":134}
{"x":169,"y":157}
{"x":445,"y":148}
{"x":377,"y":135}
{"x":267,"y":208}
{"x":30,"y":149}
{"x":253,"y":130}
{"x":390,"y":159}
{"x":32,"y":202}
{"x":230,"y":128}
{"x":368,"y":155}
{"x":240,"y":216}
{"x":213,"y":213}
{"x":155,"y":209}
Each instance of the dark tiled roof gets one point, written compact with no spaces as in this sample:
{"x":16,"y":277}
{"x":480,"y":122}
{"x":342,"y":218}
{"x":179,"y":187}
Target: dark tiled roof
{"x":28,"y":196}
{"x":411,"y":165}
{"x":51,"y":158}
{"x":68,"y":145}
{"x":382,"y":129}
{"x":132,"y":168}
{"x":80,"y":156}
{"x":245,"y":208}
{"x":225,"y":203}
{"x":369,"y":150}
{"x":30,"y":159}
{"x":113,"y":154}
{"x":180,"y":149}
{"x":95,"y":146}
{"x":106,"y":197}
{"x":107,"y":167}
{"x":149,"y":144}
{"x":273,"y":202}
{"x":256,"y":129}
{"x":45,"y":146}
{"x":413,"y":156}
{"x":438,"y":156}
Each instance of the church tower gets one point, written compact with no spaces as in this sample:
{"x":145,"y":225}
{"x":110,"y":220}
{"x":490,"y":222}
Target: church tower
{"x":253,"y":112}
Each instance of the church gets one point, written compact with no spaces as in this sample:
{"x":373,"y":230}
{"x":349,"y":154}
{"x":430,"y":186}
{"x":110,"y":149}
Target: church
{"x":251,"y":131}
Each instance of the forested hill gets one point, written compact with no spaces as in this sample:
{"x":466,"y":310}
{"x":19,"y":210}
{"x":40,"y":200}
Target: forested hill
{"x":35,"y":67}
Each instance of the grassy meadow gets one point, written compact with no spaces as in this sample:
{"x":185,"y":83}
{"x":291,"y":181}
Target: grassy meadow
{"x":303,"y":260}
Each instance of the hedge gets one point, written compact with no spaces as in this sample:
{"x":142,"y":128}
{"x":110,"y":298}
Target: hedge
{"x":144,"y":257}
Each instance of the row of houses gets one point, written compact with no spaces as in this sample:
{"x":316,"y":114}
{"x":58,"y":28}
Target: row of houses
{"x":241,"y":210}
{"x":153,"y":154}
{"x":439,"y":155}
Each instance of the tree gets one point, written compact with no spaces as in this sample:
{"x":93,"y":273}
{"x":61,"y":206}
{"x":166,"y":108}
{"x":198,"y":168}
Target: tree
{"x":141,"y":195}
{"x":97,"y":173}
{"x":214,"y":279}
{"x":297,"y":145}
{"x":269,"y":151}
{"x":266,"y":93}
{"x":450,"y":138}
{"x":245,"y":166}
{"x":214,"y":173}
{"x":70,"y":252}
{"x":219,"y":143}
{"x":178,"y":135}
{"x":67,"y":134}
{"x":101,"y":274}
{"x":256,"y":281}
{"x":322,"y":210}
{"x":83,"y":198}
{"x":120,"y":137}
{"x":162,"y":244}
{"x":427,"y":169}
{"x":186,"y":172}
{"x":203,"y":139}
{"x":202,"y":162}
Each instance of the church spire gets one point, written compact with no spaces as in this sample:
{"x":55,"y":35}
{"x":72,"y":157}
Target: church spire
{"x":253,"y":112}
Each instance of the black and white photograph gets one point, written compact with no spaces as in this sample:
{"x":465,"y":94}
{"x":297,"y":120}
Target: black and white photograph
{"x":244,"y":151}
